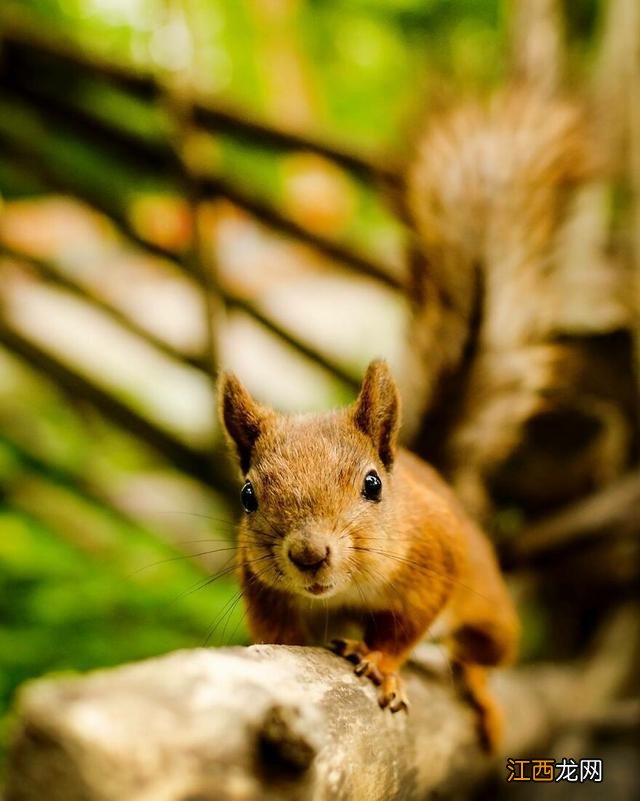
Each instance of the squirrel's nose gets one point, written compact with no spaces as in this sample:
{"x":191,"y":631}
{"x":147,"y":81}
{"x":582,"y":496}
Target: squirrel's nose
{"x":309,"y":557}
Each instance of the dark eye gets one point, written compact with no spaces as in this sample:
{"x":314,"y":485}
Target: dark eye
{"x":372,"y":486}
{"x":248,"y":497}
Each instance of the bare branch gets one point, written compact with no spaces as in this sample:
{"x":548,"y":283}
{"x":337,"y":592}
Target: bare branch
{"x":272,"y":218}
{"x":20,"y":30}
{"x":75,"y":483}
{"x":161,"y":159}
{"x":50,"y":273}
{"x":611,"y":512}
{"x":333,"y":367}
{"x":64,"y":183}
{"x":193,"y":462}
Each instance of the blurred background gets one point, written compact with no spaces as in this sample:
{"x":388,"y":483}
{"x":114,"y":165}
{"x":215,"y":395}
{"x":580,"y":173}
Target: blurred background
{"x":186,"y":184}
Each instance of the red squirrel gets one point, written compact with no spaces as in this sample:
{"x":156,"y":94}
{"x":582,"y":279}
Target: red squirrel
{"x":342,"y":527}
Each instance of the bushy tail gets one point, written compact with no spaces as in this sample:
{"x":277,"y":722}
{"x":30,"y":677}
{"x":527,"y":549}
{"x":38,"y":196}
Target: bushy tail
{"x":490,"y":194}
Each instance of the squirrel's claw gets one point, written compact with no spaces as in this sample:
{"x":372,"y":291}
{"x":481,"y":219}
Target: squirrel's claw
{"x":357,"y":652}
{"x":392,"y":694}
{"x":369,"y":668}
{"x":365,"y":661}
{"x":352,"y":650}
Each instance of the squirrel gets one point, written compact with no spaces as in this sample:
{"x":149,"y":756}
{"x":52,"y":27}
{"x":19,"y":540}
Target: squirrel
{"x":343,"y":528}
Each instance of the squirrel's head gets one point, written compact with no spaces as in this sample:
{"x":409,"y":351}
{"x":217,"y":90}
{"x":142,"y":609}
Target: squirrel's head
{"x":316,"y":496}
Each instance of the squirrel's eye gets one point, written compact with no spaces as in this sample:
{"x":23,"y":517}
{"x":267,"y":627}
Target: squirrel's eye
{"x":372,"y":486}
{"x":248,"y":497}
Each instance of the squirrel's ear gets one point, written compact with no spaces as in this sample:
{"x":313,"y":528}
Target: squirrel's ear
{"x":241,"y":416}
{"x":377,"y":410}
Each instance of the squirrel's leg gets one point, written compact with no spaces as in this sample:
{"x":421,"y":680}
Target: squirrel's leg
{"x":484,"y":632}
{"x":490,"y":717}
{"x":389,"y":637}
{"x":474,"y":648}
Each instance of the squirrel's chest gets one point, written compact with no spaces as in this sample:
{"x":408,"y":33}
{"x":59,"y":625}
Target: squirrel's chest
{"x":342,"y":615}
{"x":347,"y":615}
{"x":358,"y":599}
{"x":320,"y":626}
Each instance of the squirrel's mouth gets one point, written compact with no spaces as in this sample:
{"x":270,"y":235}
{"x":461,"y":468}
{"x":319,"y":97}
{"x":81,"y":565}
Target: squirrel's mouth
{"x":319,"y":589}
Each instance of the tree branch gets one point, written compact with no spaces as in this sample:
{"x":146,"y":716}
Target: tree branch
{"x":74,"y":483}
{"x":269,"y":216}
{"x":51,"y":274}
{"x":20,"y":31}
{"x":612,"y":511}
{"x":314,"y":355}
{"x":267,"y":722}
{"x":194,"y":462}
{"x":161,"y":158}
{"x":126,"y":232}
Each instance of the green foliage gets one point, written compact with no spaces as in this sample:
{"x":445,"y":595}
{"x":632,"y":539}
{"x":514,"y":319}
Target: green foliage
{"x":69,"y":608}
{"x":82,"y":584}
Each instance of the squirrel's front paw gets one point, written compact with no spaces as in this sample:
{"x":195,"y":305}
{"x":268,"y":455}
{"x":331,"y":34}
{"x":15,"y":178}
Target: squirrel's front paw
{"x":358,"y":653}
{"x":391,"y":693}
{"x":368,"y":663}
{"x":353,"y":650}
{"x":369,"y":666}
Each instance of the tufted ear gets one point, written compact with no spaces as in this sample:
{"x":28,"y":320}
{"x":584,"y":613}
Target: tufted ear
{"x":377,"y":410}
{"x":241,"y":416}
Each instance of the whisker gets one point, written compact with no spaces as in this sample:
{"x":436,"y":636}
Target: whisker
{"x":274,"y":532}
{"x":224,"y":520}
{"x":326,"y":619}
{"x":262,"y":535}
{"x":216,"y":622}
{"x":235,"y":628}
{"x":364,"y":600}
{"x":227,"y":540}
{"x":225,"y":571}
{"x":183,"y":556}
{"x":229,"y":546}
{"x":230,"y":606}
{"x":420,"y":567}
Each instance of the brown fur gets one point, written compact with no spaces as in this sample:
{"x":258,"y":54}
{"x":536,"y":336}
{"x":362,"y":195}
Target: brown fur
{"x":394,"y":565}
{"x":491,"y":194}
